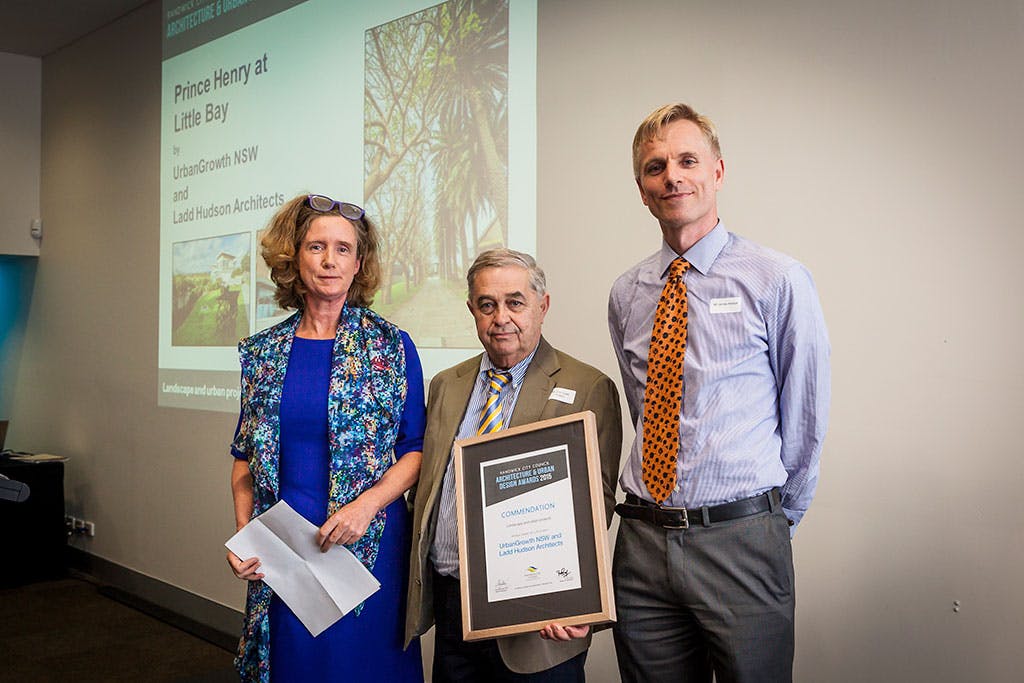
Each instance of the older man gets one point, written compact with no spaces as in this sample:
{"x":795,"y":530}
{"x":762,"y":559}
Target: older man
{"x":508,"y":300}
{"x":724,"y":360}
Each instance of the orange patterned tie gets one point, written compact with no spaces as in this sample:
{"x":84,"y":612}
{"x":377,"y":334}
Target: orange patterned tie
{"x":663,"y":394}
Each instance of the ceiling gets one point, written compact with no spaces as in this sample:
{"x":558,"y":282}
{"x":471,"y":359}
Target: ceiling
{"x":38,"y":27}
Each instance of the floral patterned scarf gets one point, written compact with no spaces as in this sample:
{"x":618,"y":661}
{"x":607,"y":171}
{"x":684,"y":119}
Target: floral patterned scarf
{"x":365,"y":403}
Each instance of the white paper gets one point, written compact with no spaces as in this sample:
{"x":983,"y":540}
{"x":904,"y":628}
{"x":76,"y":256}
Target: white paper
{"x":529,"y":525}
{"x":319,"y":587}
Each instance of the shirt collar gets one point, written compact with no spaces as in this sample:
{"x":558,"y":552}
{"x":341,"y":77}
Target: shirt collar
{"x":701,"y":255}
{"x":518,"y":370}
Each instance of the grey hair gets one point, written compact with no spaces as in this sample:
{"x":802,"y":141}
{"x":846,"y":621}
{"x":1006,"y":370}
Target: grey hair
{"x":504,"y":258}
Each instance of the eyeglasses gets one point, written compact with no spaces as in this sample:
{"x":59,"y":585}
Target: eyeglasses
{"x":323,"y":204}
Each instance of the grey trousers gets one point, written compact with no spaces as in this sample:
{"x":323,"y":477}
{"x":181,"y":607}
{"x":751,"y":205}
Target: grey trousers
{"x":705,"y":599}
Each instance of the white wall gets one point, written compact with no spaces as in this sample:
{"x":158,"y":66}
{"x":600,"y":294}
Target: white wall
{"x":153,"y":480}
{"x":877,"y":142}
{"x":21,"y":85}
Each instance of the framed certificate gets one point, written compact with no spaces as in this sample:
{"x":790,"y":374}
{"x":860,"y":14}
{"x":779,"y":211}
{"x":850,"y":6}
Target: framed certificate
{"x":533,"y":541}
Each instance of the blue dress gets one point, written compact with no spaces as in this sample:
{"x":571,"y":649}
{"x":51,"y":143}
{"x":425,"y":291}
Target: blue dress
{"x":367,"y":647}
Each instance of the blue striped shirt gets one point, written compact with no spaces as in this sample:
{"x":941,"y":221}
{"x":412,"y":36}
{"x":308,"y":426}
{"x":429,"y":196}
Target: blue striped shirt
{"x":444,"y":552}
{"x":755,"y":375}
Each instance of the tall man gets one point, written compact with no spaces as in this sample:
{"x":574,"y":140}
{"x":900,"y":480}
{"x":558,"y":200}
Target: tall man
{"x":724,"y":359}
{"x":533,"y":381}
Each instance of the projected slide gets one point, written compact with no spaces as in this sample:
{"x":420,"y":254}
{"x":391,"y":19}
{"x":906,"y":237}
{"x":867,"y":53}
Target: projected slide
{"x":424,"y":114}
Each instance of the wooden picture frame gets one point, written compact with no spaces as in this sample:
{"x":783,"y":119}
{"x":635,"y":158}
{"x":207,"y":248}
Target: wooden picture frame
{"x":533,"y":538}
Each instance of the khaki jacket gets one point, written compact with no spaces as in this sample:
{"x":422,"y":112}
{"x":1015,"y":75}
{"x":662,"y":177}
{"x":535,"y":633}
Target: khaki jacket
{"x":449,"y":394}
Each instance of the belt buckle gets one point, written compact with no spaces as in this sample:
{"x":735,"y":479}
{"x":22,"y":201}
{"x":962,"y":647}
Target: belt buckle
{"x":684,"y":522}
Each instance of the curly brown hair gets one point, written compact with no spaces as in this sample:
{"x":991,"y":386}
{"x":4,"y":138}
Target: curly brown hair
{"x":280,"y":246}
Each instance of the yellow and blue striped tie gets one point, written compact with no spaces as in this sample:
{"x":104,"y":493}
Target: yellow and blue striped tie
{"x":490,"y":418}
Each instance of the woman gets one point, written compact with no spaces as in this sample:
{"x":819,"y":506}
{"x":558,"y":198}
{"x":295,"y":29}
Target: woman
{"x":332,"y":422}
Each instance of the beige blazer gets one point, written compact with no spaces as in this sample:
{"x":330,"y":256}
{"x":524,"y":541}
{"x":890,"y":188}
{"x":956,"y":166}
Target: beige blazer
{"x":449,"y":394}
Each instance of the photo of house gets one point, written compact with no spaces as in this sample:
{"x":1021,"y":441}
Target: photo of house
{"x":210,"y":300}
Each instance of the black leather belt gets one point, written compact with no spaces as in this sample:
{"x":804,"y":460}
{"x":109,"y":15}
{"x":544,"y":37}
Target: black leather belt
{"x":682,"y":518}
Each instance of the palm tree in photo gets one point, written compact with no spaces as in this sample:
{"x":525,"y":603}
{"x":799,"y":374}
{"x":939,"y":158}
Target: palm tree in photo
{"x":400,"y":208}
{"x":472,"y":68}
{"x":460,"y":195}
{"x":400,"y":96}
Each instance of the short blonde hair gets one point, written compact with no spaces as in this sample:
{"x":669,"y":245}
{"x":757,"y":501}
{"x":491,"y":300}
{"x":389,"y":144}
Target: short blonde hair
{"x":280,"y":246}
{"x":656,"y":121}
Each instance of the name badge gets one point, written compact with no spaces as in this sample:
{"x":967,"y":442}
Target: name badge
{"x":562,"y":394}
{"x":730,"y":304}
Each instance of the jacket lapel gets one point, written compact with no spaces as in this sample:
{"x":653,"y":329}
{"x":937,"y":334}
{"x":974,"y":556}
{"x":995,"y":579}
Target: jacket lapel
{"x":537,"y":386}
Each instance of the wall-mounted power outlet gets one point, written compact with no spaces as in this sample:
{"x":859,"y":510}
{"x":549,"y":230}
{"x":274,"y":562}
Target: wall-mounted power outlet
{"x":79,"y":527}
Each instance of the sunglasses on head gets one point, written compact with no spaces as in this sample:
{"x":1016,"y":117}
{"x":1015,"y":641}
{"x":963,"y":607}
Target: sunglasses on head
{"x":323,"y":204}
